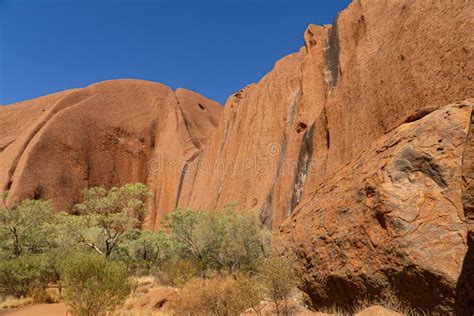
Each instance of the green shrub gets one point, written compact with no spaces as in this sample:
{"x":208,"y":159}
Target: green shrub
{"x":222,"y":240}
{"x":153,"y":248}
{"x":26,"y":228}
{"x":93,"y":285}
{"x":182,"y":225}
{"x":20,"y":276}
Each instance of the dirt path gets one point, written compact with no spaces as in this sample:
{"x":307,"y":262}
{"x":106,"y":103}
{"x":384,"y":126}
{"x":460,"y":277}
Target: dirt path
{"x":36,"y":310}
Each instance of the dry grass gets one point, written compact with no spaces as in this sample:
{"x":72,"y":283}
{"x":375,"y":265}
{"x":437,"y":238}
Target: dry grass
{"x":144,"y":280}
{"x":53,"y":295}
{"x":36,"y":295}
{"x":137,"y":313}
{"x":390,"y":302}
{"x":218,"y":295}
{"x":13,"y":302}
{"x":179,"y":272}
{"x":141,"y":286}
{"x":49,"y":295}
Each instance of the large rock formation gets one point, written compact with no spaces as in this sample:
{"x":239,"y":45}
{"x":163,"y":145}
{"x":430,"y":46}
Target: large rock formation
{"x":354,"y":132}
{"x":281,"y":141}
{"x":107,"y":134}
{"x":318,"y":109}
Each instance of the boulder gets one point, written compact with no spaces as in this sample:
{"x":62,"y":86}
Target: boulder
{"x":158,"y":298}
{"x":392,"y":220}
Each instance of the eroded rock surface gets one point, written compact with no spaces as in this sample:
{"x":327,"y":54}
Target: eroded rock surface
{"x":380,"y":64}
{"x":348,"y":142}
{"x":391,"y":220}
{"x":110,"y":133}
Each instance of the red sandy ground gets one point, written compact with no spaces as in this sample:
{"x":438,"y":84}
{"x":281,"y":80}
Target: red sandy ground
{"x":37,"y":310}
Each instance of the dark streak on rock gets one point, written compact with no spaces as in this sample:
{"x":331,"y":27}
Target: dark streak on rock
{"x":3,"y":147}
{"x":183,"y":174}
{"x":194,"y":141}
{"x":304,"y":160}
{"x":419,"y":114}
{"x":411,"y":160}
{"x":332,"y":54}
{"x":266,"y":212}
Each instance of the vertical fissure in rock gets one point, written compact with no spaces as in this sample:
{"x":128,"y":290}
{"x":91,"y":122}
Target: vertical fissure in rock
{"x":266,"y":211}
{"x":326,"y":128}
{"x":198,"y":164}
{"x":194,"y":141}
{"x":226,"y":131}
{"x":303,"y":163}
{"x":332,"y":56}
{"x":3,"y":147}
{"x":183,"y":175}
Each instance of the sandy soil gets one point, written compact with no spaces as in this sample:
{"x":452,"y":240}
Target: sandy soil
{"x":36,"y":310}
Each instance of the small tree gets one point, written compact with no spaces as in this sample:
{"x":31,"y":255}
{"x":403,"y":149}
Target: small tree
{"x":105,"y":217}
{"x":93,"y":285}
{"x":280,"y":280}
{"x":25,"y":228}
{"x":251,"y":291}
{"x":19,"y":275}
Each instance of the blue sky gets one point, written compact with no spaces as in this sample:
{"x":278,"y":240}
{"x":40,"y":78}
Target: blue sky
{"x":210,"y":46}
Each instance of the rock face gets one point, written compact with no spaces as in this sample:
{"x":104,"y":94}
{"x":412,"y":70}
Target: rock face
{"x":349,"y":148}
{"x":108,"y":134}
{"x":390,"y":220}
{"x":318,"y":109}
{"x":282,"y":141}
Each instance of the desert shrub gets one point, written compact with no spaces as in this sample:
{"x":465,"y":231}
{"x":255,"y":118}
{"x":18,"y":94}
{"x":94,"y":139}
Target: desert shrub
{"x":178,"y":271}
{"x":251,"y":291}
{"x":280,"y":280}
{"x":182,"y":225}
{"x":24,"y":275}
{"x":105,"y":217}
{"x":26,"y":228}
{"x":145,"y":249}
{"x":93,"y":285}
{"x":218,"y":295}
{"x":221,"y":240}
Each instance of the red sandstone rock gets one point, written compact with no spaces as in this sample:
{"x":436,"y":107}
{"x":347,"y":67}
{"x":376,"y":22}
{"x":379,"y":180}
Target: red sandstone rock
{"x":313,"y":134}
{"x":159,"y":298}
{"x":110,"y":133}
{"x":391,"y":219}
{"x":320,"y":108}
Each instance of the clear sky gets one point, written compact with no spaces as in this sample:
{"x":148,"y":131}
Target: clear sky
{"x":209,"y":46}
